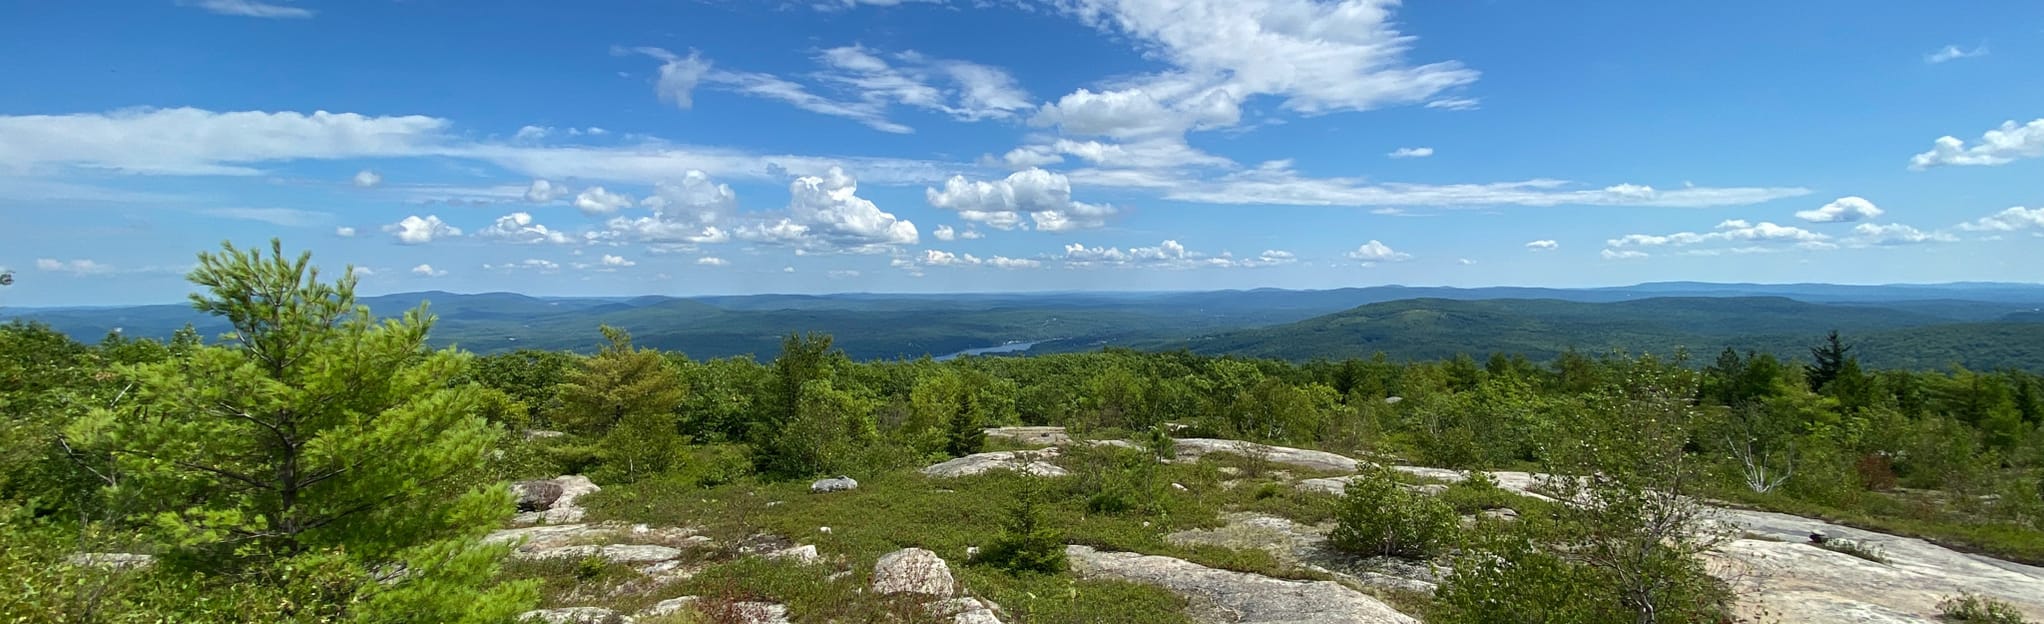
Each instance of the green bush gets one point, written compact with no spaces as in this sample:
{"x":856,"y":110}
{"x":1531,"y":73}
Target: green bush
{"x":1377,"y":517}
{"x":1976,"y":609}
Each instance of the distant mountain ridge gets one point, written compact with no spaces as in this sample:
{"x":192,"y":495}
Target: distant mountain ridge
{"x":1404,"y":321}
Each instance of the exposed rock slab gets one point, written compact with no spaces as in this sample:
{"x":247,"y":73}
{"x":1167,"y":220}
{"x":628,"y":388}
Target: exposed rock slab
{"x":964,"y":610}
{"x":1038,"y":436}
{"x":1521,"y":483}
{"x":613,"y":542}
{"x":1305,"y":546}
{"x":1797,"y":581}
{"x":1193,"y":448}
{"x":574,"y":615}
{"x":1027,"y":462}
{"x":1221,"y":596}
{"x":913,"y":570}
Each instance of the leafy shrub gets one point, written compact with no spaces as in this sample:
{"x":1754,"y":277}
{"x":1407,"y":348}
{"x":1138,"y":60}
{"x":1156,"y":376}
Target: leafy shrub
{"x":1377,"y":517}
{"x":1506,"y":576}
{"x":1876,"y":472}
{"x":1974,"y":608}
{"x":1027,"y":544}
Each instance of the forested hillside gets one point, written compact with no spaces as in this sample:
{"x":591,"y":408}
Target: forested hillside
{"x":323,"y":464}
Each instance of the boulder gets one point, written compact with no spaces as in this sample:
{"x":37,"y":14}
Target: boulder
{"x":574,"y":615}
{"x":804,"y":554}
{"x":1193,"y":448}
{"x":838,"y":483}
{"x":536,"y":495}
{"x":1026,"y":462}
{"x":559,"y":506}
{"x":913,"y":570}
{"x":1219,"y":596}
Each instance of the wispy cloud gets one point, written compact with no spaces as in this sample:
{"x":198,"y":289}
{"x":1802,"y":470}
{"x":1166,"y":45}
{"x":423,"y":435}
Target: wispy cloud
{"x":1953,"y":53}
{"x":250,"y":8}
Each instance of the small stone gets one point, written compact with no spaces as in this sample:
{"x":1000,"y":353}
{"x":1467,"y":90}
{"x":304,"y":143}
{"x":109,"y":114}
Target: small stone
{"x":804,"y":554}
{"x":912,"y":570}
{"x":1178,"y":486}
{"x":823,"y":529}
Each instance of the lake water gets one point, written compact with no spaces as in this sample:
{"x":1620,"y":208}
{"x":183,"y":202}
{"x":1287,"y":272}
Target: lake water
{"x":1012,"y":347}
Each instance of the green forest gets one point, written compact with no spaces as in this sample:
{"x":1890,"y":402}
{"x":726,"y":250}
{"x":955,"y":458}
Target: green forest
{"x":316,"y":463}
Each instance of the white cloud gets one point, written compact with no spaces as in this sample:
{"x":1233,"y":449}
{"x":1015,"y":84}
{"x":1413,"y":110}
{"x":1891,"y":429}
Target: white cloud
{"x":1169,"y":254}
{"x":81,"y":266}
{"x":518,"y":227}
{"x":1543,"y":245}
{"x":1842,"y":210}
{"x":1148,"y":153}
{"x":1044,"y":197}
{"x":1374,"y":252}
{"x":1277,"y":183}
{"x":427,"y":270}
{"x":617,"y":261}
{"x":787,"y":269}
{"x":249,"y":8}
{"x":2013,"y":219}
{"x":1895,"y":234}
{"x":1004,"y":262}
{"x":286,"y":217}
{"x":1953,"y":53}
{"x":542,"y":192}
{"x":1999,"y":146}
{"x":1627,"y":254}
{"x":594,"y":201}
{"x":189,"y":141}
{"x":532,"y":264}
{"x":416,"y":231}
{"x":1465,"y":262}
{"x":1412,"y":152}
{"x":825,"y":213}
{"x":367,"y":179}
{"x":1734,"y":230}
{"x":683,"y":212}
{"x":944,"y":233}
{"x":938,"y":258}
{"x":1317,"y":57}
{"x":1456,"y":103}
{"x":344,"y":232}
{"x":711,"y":261}
{"x":868,"y":83}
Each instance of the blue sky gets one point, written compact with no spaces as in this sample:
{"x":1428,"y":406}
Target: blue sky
{"x":623,"y":148}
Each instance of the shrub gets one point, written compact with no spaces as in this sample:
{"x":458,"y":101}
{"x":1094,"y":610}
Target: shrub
{"x":1377,"y":517}
{"x":1027,"y":544}
{"x":1876,"y":472}
{"x":1974,"y":608}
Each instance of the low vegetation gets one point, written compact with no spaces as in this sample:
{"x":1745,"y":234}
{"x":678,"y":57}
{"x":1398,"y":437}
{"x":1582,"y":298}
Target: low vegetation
{"x":318,"y":464}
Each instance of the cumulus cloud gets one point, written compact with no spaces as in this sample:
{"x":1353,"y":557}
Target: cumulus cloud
{"x":543,"y":191}
{"x":1729,"y":231}
{"x":825,"y":213}
{"x":2010,"y":220}
{"x":1169,"y":254}
{"x":1412,"y":152}
{"x":1842,"y":210}
{"x":367,"y":179}
{"x":427,"y":270}
{"x":1895,"y":234}
{"x":1044,"y":197}
{"x":249,"y":8}
{"x":344,"y":232}
{"x":413,"y":230}
{"x":596,"y":201}
{"x":617,"y":261}
{"x":711,"y":261}
{"x":1543,"y":245}
{"x":1999,"y":146}
{"x":1374,"y":251}
{"x":683,"y":211}
{"x":1953,"y":53}
{"x":518,"y":227}
{"x":81,"y":266}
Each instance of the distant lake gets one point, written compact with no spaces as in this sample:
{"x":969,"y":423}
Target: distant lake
{"x":1011,"y":347}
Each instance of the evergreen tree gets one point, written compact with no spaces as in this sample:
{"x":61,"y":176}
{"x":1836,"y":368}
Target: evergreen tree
{"x":963,"y":435}
{"x":314,"y":438}
{"x":1827,"y":361}
{"x":627,"y":396}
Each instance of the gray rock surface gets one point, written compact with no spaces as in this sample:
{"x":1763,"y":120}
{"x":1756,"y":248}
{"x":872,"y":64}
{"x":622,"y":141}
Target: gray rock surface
{"x":1038,"y":436}
{"x":804,"y":554}
{"x":1305,"y":546}
{"x":1221,"y":596}
{"x":834,"y":484}
{"x":1027,"y":462}
{"x":1796,"y":581}
{"x":614,"y":553}
{"x":1193,"y":448}
{"x":964,"y":610}
{"x":562,"y":508}
{"x":614,"y":542}
{"x":574,"y":615}
{"x":537,"y":495}
{"x":913,"y":570}
{"x":669,"y":606}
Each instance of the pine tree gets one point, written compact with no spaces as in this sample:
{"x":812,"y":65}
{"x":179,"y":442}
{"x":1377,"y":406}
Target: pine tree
{"x":626,"y":396}
{"x":1827,"y":361}
{"x":964,"y":435}
{"x":314,"y":438}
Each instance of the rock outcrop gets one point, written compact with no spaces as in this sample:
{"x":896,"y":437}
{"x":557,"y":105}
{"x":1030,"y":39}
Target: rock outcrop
{"x":551,"y":501}
{"x":616,"y":543}
{"x":1027,"y":462}
{"x":834,"y":484}
{"x":574,"y":615}
{"x":1221,"y":596}
{"x":1193,"y":448}
{"x":1036,"y":436}
{"x":913,"y":570}
{"x":1796,"y":581}
{"x":1305,"y":546}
